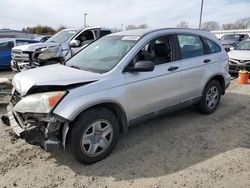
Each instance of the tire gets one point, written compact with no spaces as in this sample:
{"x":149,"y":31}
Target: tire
{"x":205,"y":106}
{"x":94,"y":135}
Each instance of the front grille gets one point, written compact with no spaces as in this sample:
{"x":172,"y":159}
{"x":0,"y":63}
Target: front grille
{"x":19,"y":56}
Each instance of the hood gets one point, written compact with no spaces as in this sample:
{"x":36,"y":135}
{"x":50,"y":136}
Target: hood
{"x":239,"y":54}
{"x":51,"y":75}
{"x":33,"y":47}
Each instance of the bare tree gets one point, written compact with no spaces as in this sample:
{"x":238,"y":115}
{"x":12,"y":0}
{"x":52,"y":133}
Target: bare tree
{"x":131,"y":27}
{"x":182,"y":24}
{"x":242,"y":23}
{"x":210,"y":26}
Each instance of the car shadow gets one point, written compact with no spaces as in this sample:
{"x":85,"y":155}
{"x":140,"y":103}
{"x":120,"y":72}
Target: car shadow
{"x":173,"y":142}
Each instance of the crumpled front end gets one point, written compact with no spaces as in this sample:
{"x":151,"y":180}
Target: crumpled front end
{"x":44,"y":129}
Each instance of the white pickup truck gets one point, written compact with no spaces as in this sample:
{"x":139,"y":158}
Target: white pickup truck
{"x":63,"y":45}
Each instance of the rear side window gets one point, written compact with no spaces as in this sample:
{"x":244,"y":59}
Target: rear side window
{"x":104,"y":32}
{"x":6,"y":46}
{"x":212,"y":46}
{"x":190,"y":46}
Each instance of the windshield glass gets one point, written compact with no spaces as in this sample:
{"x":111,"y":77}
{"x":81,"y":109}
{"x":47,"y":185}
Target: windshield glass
{"x":244,"y":46}
{"x":62,"y":36}
{"x":231,"y":37}
{"x":104,"y":54}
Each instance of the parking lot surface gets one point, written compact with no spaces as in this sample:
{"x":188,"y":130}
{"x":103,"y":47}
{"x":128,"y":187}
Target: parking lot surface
{"x":181,"y":149}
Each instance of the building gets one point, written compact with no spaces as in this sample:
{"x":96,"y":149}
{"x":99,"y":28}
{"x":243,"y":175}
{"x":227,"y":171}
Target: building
{"x":9,"y":33}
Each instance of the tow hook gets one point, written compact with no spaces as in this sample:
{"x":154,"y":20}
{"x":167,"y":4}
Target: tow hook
{"x":13,"y":137}
{"x":5,"y":120}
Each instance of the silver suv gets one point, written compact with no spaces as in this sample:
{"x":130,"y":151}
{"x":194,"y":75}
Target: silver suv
{"x":120,"y":80}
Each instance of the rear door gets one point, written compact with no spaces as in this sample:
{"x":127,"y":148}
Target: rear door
{"x":5,"y":53}
{"x":148,"y":92}
{"x":194,"y":63}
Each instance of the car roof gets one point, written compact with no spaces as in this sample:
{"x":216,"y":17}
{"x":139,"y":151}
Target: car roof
{"x":86,"y":28}
{"x":142,"y":32}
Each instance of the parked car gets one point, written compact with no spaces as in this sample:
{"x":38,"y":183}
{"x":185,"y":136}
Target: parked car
{"x":232,"y":40}
{"x":56,"y":49}
{"x":239,"y":58}
{"x":5,"y":49}
{"x":43,"y":38}
{"x":118,"y":81}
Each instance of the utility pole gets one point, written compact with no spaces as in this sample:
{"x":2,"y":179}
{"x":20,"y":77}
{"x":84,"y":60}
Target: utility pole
{"x":201,"y":14}
{"x":85,"y":22}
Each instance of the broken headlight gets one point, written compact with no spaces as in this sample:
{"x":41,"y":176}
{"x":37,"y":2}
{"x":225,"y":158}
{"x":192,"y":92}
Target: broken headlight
{"x":39,"y":103}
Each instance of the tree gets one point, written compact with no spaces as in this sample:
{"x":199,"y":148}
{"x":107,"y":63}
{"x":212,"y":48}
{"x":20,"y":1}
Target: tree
{"x":40,"y":30}
{"x":131,"y":27}
{"x":210,"y":26}
{"x":182,"y":24}
{"x":60,"y":28}
{"x":242,"y":23}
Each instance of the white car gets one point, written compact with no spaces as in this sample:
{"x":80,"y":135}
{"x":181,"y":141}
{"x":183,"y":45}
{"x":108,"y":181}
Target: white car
{"x":239,"y":58}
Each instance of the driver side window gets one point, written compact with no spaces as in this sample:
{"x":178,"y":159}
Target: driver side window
{"x":157,"y":50}
{"x":86,"y":37}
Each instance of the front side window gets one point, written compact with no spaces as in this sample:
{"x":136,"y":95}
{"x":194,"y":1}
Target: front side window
{"x":190,"y":46}
{"x":86,"y":37}
{"x":212,"y":46}
{"x":244,"y":46}
{"x":6,"y":46}
{"x":104,"y":54}
{"x":157,"y":50}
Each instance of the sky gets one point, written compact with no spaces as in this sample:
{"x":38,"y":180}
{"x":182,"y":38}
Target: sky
{"x":16,"y":14}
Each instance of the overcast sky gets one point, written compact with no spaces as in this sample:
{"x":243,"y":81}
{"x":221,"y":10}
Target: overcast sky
{"x":16,"y":14}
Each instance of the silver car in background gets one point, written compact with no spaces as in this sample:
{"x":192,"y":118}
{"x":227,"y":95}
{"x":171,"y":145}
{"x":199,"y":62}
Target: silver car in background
{"x":118,"y":81}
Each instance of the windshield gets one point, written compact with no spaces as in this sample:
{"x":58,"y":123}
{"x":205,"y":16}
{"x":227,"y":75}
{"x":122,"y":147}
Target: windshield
{"x":104,"y":54}
{"x":244,"y":46}
{"x":231,"y":37}
{"x":62,"y":36}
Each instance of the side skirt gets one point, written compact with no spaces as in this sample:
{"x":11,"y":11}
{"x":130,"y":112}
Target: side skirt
{"x":169,"y":109}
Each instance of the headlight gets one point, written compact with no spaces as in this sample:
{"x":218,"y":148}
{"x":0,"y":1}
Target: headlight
{"x":39,"y":103}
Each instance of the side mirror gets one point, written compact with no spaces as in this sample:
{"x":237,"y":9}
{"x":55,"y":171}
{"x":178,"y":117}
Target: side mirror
{"x":74,"y":43}
{"x":142,"y":66}
{"x":231,"y":48}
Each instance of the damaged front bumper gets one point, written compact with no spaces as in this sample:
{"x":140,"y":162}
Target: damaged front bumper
{"x":45,"y":130}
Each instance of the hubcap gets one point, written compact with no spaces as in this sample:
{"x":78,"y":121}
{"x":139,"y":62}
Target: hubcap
{"x":97,"y":138}
{"x":212,"y":97}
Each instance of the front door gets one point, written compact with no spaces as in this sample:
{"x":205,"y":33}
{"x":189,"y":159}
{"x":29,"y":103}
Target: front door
{"x":5,"y":53}
{"x":151,"y":91}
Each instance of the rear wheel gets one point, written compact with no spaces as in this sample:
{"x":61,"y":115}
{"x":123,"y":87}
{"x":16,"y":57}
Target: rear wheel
{"x":211,"y":98}
{"x":94,"y":135}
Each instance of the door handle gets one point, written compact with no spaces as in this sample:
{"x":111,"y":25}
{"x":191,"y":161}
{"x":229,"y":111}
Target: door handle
{"x":172,"y":68}
{"x":206,"y":60}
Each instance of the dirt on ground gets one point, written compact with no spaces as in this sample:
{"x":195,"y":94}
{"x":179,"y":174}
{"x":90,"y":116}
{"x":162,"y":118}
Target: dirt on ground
{"x":181,"y":149}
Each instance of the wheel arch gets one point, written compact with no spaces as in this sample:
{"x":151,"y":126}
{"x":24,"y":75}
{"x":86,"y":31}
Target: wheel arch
{"x":218,"y":78}
{"x":114,"y":107}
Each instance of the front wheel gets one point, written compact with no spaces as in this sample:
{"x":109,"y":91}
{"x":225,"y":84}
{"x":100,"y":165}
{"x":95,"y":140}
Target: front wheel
{"x":94,"y":135}
{"x":211,"y":98}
